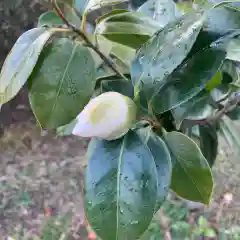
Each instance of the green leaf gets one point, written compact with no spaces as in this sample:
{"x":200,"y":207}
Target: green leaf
{"x":222,"y":19}
{"x":234,"y":114}
{"x":191,"y":176}
{"x":130,"y":28}
{"x":195,"y":109}
{"x":233,"y":51}
{"x":20,"y":62}
{"x":120,"y":197}
{"x":67,"y":129}
{"x":162,"y":11}
{"x":166,"y":11}
{"x":209,"y":142}
{"x":231,"y":132}
{"x":80,"y":5}
{"x":210,"y":233}
{"x":121,"y":52}
{"x":202,"y":222}
{"x":95,"y":4}
{"x":162,"y":160}
{"x":50,"y":19}
{"x":230,"y":76}
{"x":214,"y":82}
{"x":161,"y":54}
{"x":62,"y":83}
{"x":69,"y":13}
{"x":180,"y":87}
{"x":122,"y":86}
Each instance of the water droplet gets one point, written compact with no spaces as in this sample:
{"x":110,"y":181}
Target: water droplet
{"x":121,"y":210}
{"x":134,"y":222}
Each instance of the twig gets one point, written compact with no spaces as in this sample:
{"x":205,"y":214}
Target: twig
{"x":229,"y":106}
{"x":85,"y":38}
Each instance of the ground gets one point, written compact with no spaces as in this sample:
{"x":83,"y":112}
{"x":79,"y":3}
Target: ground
{"x":42,"y":175}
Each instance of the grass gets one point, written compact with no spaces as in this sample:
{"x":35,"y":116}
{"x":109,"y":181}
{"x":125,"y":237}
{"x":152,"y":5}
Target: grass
{"x":41,"y":192}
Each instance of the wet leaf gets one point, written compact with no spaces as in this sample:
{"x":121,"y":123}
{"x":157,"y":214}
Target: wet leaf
{"x":162,"y":11}
{"x":121,"y":86}
{"x":20,"y":62}
{"x":162,"y":160}
{"x":214,"y":82}
{"x":195,"y":109}
{"x":221,"y":20}
{"x":179,"y":87}
{"x":67,"y":129}
{"x":129,"y":28}
{"x":59,"y":89}
{"x":191,"y":176}
{"x":50,"y":19}
{"x":95,"y":4}
{"x":161,"y":54}
{"x":233,"y":51}
{"x":117,"y":201}
{"x":231,"y":132}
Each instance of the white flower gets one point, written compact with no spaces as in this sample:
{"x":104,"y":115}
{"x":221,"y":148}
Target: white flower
{"x":108,"y":116}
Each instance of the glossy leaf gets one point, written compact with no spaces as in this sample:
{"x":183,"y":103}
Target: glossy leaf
{"x":162,"y":11}
{"x":117,"y":194}
{"x":221,"y":20}
{"x":50,"y":19}
{"x":165,"y":12}
{"x":80,"y":5}
{"x":234,"y":114}
{"x":214,"y":82}
{"x":121,"y":86}
{"x":195,"y":109}
{"x":95,"y":4}
{"x":161,"y":54}
{"x":67,"y":129}
{"x":230,"y":75}
{"x":162,"y":160}
{"x":233,"y":51}
{"x":130,"y":28}
{"x":121,"y":52}
{"x":20,"y":62}
{"x":59,"y":88}
{"x":209,"y":142}
{"x":231,"y":132}
{"x":179,"y":87}
{"x":69,"y":12}
{"x":191,"y":176}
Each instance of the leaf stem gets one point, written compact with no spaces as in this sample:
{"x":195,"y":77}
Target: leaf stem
{"x":86,"y":39}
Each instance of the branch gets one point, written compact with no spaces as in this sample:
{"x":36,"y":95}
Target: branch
{"x":229,"y":106}
{"x":85,"y":38}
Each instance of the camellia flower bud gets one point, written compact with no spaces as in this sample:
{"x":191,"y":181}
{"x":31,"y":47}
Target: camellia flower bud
{"x":108,"y":116}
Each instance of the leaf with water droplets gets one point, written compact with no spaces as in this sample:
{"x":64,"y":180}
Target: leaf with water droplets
{"x":130,"y":29}
{"x":20,"y":62}
{"x":195,"y":109}
{"x":188,"y":79}
{"x":162,"y":160}
{"x":161,"y":54}
{"x":121,"y":185}
{"x":95,"y":4}
{"x":62,"y":83}
{"x":191,"y":176}
{"x":162,"y":11}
